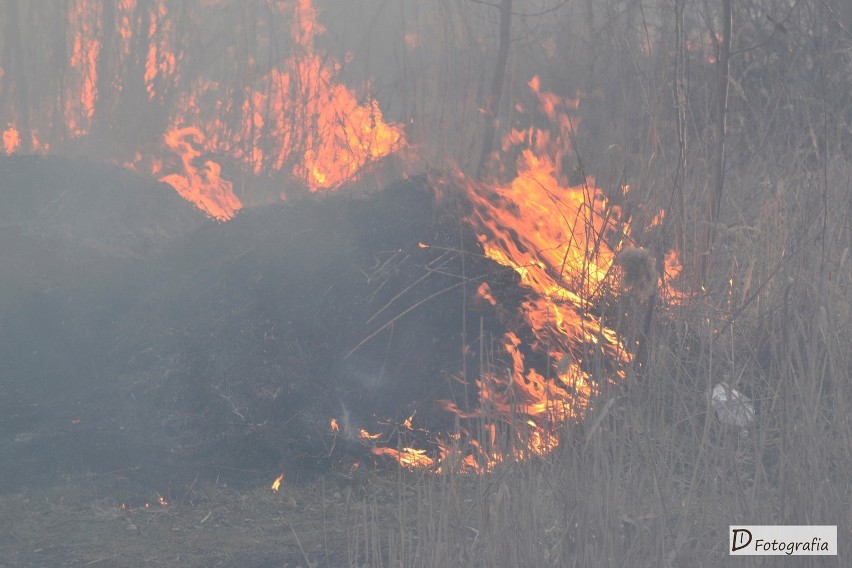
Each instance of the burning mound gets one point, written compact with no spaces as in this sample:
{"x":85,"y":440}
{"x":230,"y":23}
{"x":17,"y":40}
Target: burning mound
{"x":291,"y":337}
{"x":256,"y":333}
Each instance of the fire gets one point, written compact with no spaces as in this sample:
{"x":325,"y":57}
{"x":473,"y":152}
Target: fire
{"x":297,"y":117}
{"x":11,"y":139}
{"x":291,"y":117}
{"x":410,"y":458}
{"x":658,"y":219}
{"x":276,"y":485}
{"x":85,"y":49}
{"x":562,"y":241}
{"x":160,"y":63}
{"x":203,"y":186}
{"x":287,"y":117}
{"x":484,"y":292}
{"x":559,"y":239}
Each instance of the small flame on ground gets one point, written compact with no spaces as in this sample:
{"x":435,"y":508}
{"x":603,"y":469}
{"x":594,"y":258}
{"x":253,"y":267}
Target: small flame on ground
{"x":276,"y":485}
{"x":411,"y":458}
{"x":333,"y":425}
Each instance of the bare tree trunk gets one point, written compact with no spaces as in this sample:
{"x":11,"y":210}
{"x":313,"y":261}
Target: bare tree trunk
{"x":717,"y":174}
{"x":17,"y":73}
{"x":644,"y":350}
{"x":58,"y":65}
{"x":493,"y":105}
{"x":105,"y":103}
{"x":680,"y":101}
{"x":590,"y":29}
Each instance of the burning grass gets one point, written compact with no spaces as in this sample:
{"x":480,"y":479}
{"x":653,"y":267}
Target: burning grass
{"x":648,"y":476}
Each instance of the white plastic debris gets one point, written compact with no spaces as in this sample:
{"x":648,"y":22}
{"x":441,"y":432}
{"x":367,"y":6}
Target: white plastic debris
{"x":731,"y":406}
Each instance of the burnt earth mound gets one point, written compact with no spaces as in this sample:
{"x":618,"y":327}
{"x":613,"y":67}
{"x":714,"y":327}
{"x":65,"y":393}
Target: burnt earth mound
{"x":261,"y":330}
{"x":226,"y":351}
{"x":72,"y":235}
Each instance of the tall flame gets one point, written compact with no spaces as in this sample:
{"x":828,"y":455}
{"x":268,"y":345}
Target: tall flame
{"x":297,"y":116}
{"x":562,"y":241}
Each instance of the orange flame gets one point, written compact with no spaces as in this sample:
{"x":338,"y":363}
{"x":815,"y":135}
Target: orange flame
{"x":657,"y":220}
{"x":80,"y":106}
{"x":561,"y":240}
{"x":11,"y":139}
{"x":484,"y":292}
{"x":160,"y":63}
{"x":203,"y":186}
{"x":297,"y":115}
{"x":673,"y":265}
{"x":410,"y":458}
{"x":296,"y":119}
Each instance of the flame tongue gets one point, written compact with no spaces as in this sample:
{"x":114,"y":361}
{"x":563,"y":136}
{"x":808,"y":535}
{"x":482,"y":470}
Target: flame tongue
{"x":296,"y":117}
{"x":203,"y":186}
{"x":276,"y":485}
{"x":557,"y":238}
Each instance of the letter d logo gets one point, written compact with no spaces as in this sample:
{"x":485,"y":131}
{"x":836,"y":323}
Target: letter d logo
{"x":740,"y":538}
